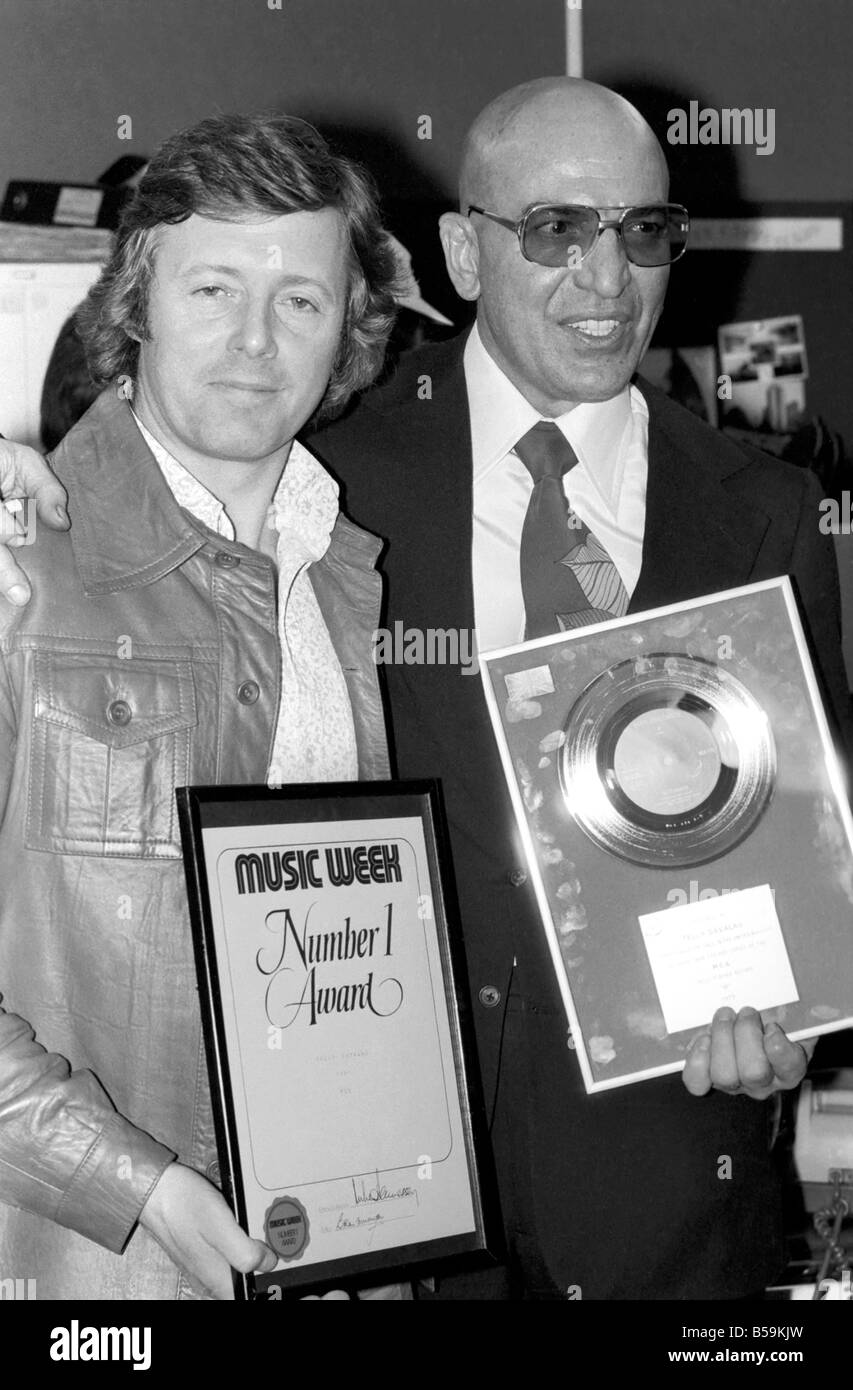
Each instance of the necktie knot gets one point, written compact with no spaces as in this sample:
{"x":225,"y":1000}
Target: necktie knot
{"x":545,"y":451}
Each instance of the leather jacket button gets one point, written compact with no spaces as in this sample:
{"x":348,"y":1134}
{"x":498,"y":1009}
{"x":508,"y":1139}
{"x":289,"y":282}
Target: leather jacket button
{"x":517,"y":878}
{"x":248,"y":692}
{"x":225,"y":560}
{"x":212,"y":1170}
{"x":120,"y":713}
{"x":489,"y":996}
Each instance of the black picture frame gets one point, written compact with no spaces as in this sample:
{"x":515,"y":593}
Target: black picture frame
{"x":238,"y":809}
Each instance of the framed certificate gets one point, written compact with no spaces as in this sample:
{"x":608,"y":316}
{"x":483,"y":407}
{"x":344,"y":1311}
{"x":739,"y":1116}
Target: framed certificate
{"x":686,"y":823}
{"x":348,"y":1113}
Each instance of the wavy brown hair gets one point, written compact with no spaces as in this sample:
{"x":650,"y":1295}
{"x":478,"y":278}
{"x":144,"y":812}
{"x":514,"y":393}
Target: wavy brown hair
{"x":228,"y":167}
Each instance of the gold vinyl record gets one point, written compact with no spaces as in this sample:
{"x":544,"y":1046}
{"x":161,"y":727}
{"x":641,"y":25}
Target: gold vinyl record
{"x":668,"y":760}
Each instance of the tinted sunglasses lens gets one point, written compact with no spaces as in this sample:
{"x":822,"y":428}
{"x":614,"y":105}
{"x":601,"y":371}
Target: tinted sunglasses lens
{"x":655,"y":235}
{"x":557,"y":235}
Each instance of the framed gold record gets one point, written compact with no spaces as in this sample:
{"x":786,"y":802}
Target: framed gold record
{"x":668,"y":760}
{"x":685,"y":823}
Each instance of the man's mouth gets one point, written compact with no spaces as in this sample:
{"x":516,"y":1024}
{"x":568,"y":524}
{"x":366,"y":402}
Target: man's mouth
{"x":259,"y":386}
{"x":598,"y":329}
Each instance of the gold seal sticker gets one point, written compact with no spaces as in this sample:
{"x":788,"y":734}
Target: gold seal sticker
{"x":286,"y":1228}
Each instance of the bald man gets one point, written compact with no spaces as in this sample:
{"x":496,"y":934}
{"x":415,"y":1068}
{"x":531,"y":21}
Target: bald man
{"x":563,"y":239}
{"x":617,"y":1195}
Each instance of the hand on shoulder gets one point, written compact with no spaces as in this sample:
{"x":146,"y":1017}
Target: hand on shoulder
{"x":24,"y":474}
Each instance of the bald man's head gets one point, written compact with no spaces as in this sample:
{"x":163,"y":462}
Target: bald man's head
{"x":573,"y":332}
{"x":548,"y":113}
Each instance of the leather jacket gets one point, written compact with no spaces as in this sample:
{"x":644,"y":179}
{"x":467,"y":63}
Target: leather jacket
{"x":147,"y":659}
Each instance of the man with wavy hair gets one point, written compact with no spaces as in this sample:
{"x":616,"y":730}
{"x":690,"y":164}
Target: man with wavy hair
{"x":206,"y":619}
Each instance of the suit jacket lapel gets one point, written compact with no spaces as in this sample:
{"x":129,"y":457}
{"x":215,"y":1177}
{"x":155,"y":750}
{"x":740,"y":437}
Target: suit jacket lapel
{"x":695,"y":541}
{"x":433,"y":578}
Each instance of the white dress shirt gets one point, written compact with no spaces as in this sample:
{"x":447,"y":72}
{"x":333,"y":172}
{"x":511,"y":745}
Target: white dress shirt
{"x":606,"y":487}
{"x":315,"y":736}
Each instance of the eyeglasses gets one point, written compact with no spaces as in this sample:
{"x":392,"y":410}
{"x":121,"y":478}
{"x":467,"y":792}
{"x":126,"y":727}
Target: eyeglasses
{"x":563,"y":234}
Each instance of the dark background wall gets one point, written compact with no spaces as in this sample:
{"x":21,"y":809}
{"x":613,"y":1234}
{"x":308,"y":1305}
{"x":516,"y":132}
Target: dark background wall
{"x":376,"y":63}
{"x":792,"y":55}
{"x":69,"y":68}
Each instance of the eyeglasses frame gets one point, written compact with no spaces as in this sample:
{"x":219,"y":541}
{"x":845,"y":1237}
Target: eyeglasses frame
{"x":604,"y":224}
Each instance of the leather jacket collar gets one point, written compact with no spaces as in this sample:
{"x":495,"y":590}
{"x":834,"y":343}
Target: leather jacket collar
{"x":127,"y":529}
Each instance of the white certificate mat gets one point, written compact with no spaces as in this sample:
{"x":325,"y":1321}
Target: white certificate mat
{"x":324,"y":981}
{"x":724,"y":951}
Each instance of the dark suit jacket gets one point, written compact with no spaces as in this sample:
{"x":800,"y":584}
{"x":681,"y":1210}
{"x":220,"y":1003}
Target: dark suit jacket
{"x":617,"y":1193}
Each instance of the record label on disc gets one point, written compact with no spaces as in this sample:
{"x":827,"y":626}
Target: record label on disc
{"x":668,"y":760}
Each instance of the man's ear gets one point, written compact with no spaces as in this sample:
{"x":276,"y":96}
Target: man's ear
{"x":461,"y":254}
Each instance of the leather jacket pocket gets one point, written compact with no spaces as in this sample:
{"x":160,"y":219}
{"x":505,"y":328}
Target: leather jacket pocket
{"x":111,"y":741}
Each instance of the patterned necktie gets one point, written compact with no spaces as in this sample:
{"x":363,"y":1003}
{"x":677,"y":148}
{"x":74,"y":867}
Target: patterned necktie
{"x":567,"y":577}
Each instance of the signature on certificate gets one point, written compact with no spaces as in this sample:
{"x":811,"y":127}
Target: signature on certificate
{"x":378,"y":1192}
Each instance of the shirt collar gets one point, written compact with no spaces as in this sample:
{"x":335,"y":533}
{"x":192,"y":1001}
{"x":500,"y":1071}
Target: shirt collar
{"x":186,"y":489}
{"x":501,"y":415}
{"x":304,"y":505}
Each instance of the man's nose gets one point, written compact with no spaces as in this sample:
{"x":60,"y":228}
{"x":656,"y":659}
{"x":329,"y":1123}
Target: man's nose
{"x":605,"y":269}
{"x":253,"y":333}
